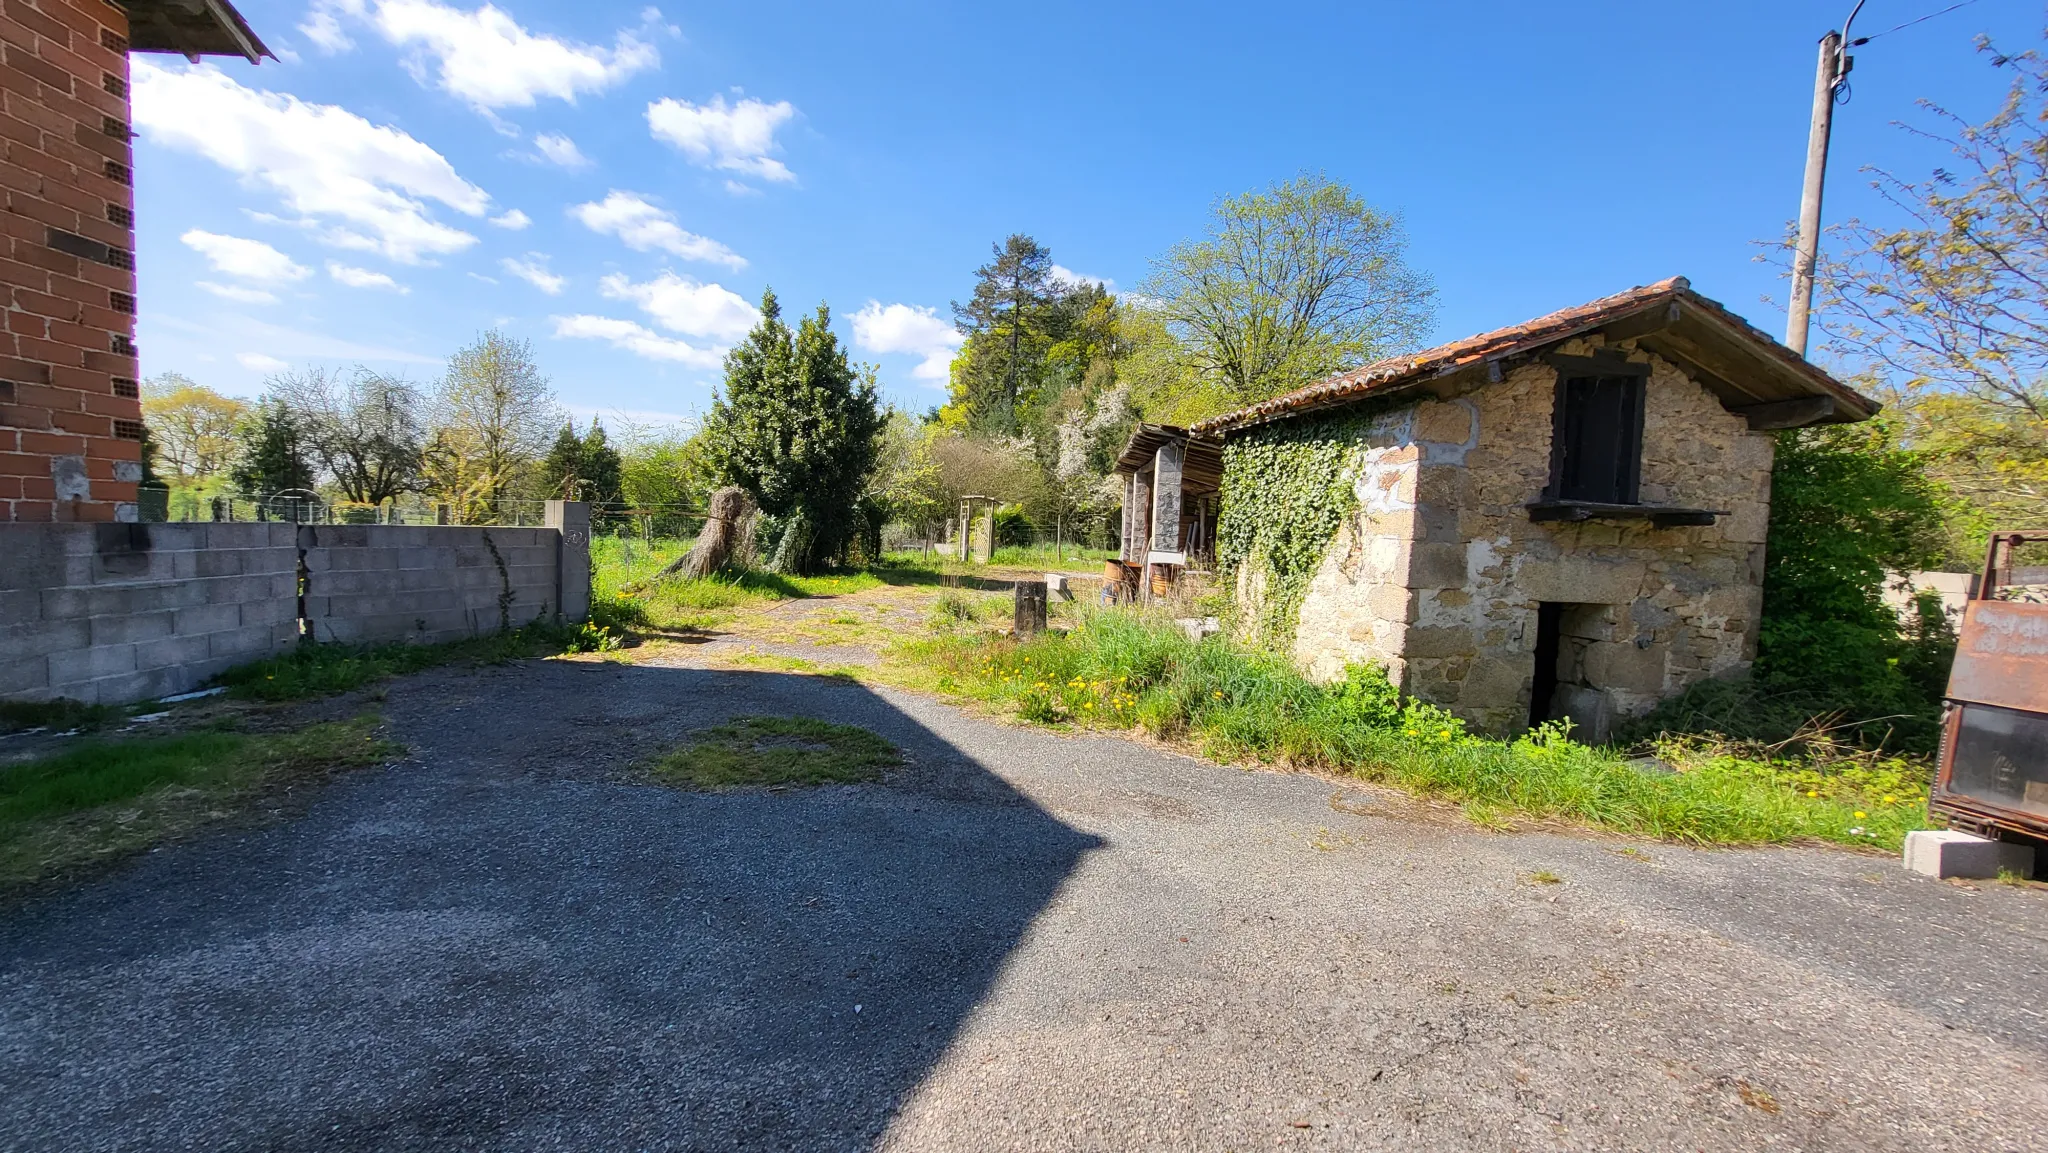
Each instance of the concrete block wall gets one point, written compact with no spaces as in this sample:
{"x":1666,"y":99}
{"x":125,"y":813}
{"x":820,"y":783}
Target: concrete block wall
{"x":115,"y":612}
{"x":374,"y":583}
{"x":112,"y":613}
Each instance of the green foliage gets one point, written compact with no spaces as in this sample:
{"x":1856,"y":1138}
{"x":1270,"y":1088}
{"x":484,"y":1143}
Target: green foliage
{"x":796,"y":427}
{"x":1849,"y":507}
{"x":1291,"y":284}
{"x":1117,"y":670}
{"x":583,"y":467}
{"x":1286,"y":489}
{"x":61,"y":714}
{"x":1944,"y":300}
{"x":1013,"y":528}
{"x":1008,"y":320}
{"x":778,"y":752}
{"x":319,"y":669}
{"x":272,"y":453}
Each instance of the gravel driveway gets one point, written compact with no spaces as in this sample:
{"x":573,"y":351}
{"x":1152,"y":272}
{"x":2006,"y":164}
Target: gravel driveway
{"x":1024,"y":940}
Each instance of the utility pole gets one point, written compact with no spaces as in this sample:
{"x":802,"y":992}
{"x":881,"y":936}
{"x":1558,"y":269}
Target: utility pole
{"x":1829,"y":77}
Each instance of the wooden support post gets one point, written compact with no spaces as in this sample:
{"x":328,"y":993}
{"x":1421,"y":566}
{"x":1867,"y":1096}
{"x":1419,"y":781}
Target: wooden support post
{"x":1030,"y":609}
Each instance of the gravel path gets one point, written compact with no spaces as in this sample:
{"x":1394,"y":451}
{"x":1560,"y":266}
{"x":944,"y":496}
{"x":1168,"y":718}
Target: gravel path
{"x":1023,"y":941}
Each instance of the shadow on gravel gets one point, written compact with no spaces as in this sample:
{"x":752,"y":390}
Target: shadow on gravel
{"x":506,"y":943}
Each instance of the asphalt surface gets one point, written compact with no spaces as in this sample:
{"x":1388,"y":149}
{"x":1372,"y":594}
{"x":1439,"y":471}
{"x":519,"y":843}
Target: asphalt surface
{"x":1023,"y":940}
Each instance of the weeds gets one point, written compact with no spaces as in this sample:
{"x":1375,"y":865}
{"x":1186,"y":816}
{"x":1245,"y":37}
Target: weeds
{"x":62,"y":714}
{"x":319,"y":669}
{"x":104,"y":798}
{"x":1119,"y":670}
{"x":778,"y":752}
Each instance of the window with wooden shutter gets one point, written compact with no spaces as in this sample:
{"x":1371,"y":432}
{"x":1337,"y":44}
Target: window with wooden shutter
{"x":1597,"y":432}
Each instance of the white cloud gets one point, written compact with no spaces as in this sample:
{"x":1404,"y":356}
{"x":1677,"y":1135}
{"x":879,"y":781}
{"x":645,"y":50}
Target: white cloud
{"x":534,"y":270}
{"x":1067,"y":275}
{"x":728,"y":137}
{"x":511,"y":221}
{"x":912,"y":329}
{"x":257,"y":362}
{"x":325,"y":31}
{"x":683,"y":305}
{"x":245,"y":259}
{"x":644,"y":228}
{"x":635,"y":339}
{"x":363,"y":278}
{"x":483,"y":55}
{"x":241,"y":294}
{"x":358,"y":185}
{"x":558,"y":149}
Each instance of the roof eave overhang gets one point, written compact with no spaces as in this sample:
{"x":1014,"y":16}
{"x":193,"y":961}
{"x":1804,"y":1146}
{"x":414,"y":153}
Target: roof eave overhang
{"x":192,"y":29}
{"x":1657,"y":323}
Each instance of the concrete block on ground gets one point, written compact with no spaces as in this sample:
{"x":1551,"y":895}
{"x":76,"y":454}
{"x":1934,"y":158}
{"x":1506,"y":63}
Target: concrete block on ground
{"x":1945,"y":853}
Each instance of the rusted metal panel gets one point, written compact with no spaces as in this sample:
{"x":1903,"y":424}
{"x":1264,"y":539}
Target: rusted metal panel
{"x":2002,"y":656}
{"x":1993,"y":775}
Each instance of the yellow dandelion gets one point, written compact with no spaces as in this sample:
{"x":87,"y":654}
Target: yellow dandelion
{"x":1218,"y":696}
{"x":1411,"y":732}
{"x":1813,"y":792}
{"x":1860,"y":814}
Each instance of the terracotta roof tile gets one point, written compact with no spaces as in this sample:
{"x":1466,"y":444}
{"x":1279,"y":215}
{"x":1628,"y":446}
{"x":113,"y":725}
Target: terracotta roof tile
{"x":1395,"y":371}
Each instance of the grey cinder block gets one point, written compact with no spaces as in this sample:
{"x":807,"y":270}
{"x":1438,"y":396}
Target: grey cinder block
{"x":1949,"y":853}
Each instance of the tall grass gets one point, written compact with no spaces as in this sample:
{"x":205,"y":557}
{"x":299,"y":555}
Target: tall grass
{"x":1117,"y":670}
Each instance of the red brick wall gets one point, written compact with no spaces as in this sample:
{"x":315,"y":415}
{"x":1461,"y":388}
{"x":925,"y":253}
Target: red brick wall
{"x":67,"y":265}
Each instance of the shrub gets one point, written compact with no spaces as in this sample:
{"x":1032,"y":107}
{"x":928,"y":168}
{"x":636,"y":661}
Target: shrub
{"x":1121,"y":670}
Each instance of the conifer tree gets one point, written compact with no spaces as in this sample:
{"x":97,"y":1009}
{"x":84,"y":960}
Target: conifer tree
{"x":272,"y":451}
{"x":795,"y":426}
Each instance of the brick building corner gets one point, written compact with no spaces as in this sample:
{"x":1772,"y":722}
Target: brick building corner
{"x":70,"y":407}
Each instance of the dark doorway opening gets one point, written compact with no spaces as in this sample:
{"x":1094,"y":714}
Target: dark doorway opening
{"x":1549,"y":646}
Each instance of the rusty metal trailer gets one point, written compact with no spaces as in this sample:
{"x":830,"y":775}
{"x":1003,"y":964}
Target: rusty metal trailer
{"x":1992,"y":778}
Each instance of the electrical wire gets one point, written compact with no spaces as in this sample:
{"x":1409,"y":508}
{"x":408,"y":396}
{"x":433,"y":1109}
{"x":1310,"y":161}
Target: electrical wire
{"x":1862,"y":40}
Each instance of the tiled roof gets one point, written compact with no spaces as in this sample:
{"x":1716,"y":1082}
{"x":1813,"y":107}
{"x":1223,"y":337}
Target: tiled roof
{"x":1793,"y":373}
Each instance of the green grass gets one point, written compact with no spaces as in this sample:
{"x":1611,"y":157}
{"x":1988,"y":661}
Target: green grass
{"x":1119,"y":670}
{"x":60,"y":714}
{"x":625,"y":595}
{"x":778,"y":752}
{"x":313,"y":670}
{"x":103,"y":798}
{"x":1043,"y":556}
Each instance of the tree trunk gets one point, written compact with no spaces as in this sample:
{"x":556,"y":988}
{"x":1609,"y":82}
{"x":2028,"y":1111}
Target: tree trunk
{"x":715,"y":541}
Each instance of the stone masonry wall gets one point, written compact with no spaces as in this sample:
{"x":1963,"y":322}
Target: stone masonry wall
{"x":1439,"y":573}
{"x":111,"y":613}
{"x":70,"y":417}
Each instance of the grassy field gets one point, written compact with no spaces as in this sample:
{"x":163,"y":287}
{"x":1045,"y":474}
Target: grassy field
{"x":1118,"y":671}
{"x":106,"y":798}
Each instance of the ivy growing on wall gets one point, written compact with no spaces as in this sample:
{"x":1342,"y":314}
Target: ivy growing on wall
{"x":1286,"y":489}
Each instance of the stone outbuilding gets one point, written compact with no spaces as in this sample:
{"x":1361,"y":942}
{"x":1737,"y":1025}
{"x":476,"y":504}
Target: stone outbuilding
{"x":1561,"y":518}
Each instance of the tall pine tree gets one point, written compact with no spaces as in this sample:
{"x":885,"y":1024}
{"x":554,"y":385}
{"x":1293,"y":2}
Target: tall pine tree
{"x":796,"y":427}
{"x":1007,"y":320}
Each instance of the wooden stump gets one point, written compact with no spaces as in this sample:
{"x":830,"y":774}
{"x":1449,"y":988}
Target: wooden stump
{"x":1030,"y":609}
{"x":717,"y":540}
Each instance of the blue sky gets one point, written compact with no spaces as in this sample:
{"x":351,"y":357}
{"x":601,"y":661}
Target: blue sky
{"x":400,"y":181}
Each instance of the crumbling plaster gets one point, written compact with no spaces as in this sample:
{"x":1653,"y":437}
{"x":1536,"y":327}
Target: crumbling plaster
{"x":1437,"y":573}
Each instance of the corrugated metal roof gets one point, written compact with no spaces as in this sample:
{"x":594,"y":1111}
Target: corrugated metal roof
{"x":1769,"y":371}
{"x":191,"y":28}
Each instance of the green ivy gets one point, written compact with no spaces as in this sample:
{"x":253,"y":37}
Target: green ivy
{"x":1286,"y":489}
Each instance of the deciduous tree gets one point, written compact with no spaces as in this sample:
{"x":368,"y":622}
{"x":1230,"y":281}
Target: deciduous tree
{"x":1950,"y":304}
{"x":493,"y":417}
{"x":194,"y":426}
{"x":362,"y":426}
{"x":1291,"y":284}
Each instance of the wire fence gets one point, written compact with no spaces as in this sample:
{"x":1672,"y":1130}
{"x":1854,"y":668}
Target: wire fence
{"x":610,"y":518}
